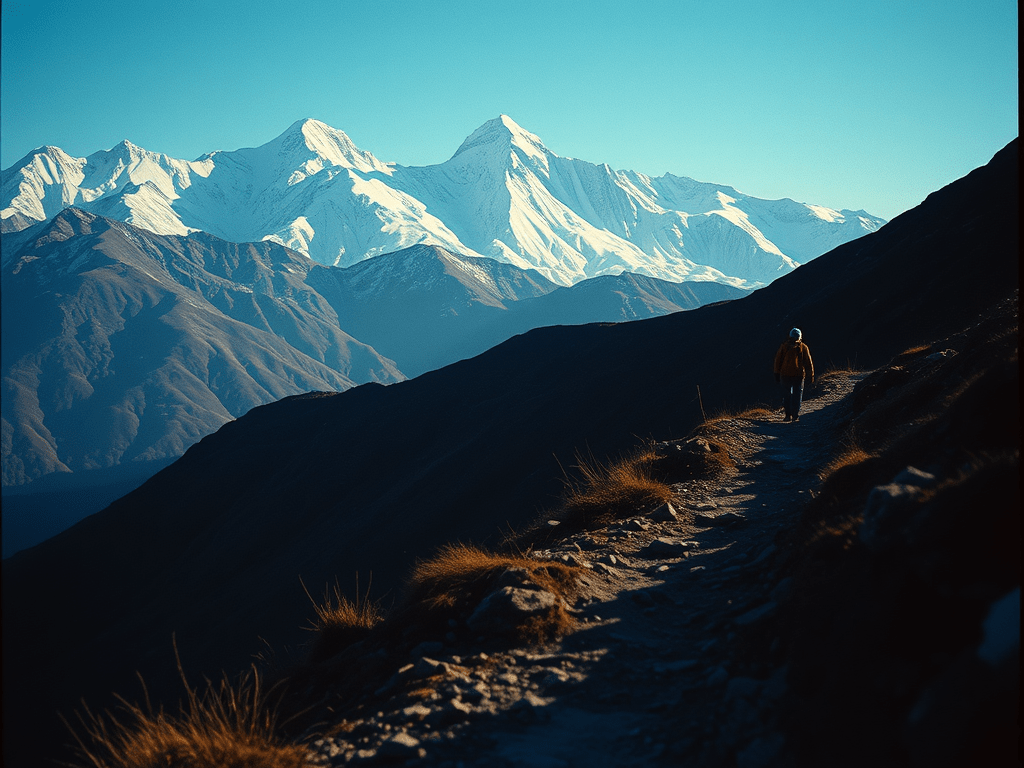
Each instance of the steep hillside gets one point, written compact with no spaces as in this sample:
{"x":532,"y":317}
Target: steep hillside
{"x":211,"y":548}
{"x":844,"y":591}
{"x":93,"y":384}
{"x":123,"y":346}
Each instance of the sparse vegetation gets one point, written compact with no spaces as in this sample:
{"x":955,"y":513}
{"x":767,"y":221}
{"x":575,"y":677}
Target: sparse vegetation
{"x":229,"y":725}
{"x":756,"y":413}
{"x":853,"y":454}
{"x":340,"y":622}
{"x":461,"y":575}
{"x":607,"y":492}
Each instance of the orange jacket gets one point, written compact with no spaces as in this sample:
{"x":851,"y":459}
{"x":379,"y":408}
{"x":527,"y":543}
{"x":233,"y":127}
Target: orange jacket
{"x":794,"y":359}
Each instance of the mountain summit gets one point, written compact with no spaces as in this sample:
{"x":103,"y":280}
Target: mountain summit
{"x":503,"y":195}
{"x":504,"y":135}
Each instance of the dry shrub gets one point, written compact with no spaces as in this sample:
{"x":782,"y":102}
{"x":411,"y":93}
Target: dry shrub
{"x":756,"y":413}
{"x":841,"y":529}
{"x":852,"y":455}
{"x":913,"y":351}
{"x":228,"y":725}
{"x":340,"y":622}
{"x":459,"y":576}
{"x":444,"y":580}
{"x":607,"y":492}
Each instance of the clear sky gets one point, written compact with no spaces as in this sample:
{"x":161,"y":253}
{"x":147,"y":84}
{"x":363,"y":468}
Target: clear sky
{"x":870,"y":104}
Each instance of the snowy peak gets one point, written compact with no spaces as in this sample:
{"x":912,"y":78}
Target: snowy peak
{"x":501,"y":135}
{"x":503,"y":195}
{"x":328,"y":146}
{"x":48,"y":157}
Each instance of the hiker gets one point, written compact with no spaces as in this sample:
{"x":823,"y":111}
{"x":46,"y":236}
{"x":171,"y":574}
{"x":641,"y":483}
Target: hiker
{"x":792,"y":364}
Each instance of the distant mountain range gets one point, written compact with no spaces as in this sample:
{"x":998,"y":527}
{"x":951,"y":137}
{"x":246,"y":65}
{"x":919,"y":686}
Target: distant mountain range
{"x":502,"y":195}
{"x":425,"y":307}
{"x":120,"y":345}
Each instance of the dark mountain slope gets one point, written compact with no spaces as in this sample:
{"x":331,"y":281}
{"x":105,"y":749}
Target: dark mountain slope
{"x":124,"y":346}
{"x":212,"y":547}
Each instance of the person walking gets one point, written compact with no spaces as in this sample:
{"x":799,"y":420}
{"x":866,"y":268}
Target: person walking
{"x":792,"y":364}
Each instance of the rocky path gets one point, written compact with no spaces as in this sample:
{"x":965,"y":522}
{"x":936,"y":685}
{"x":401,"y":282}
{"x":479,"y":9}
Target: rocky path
{"x":651,"y":676}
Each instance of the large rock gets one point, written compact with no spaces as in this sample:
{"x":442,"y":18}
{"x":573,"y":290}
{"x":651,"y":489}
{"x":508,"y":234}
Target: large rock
{"x":890,"y":507}
{"x":506,"y":608}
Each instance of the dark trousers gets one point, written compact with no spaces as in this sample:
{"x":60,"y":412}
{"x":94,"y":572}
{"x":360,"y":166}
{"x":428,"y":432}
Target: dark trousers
{"x":792,"y":394}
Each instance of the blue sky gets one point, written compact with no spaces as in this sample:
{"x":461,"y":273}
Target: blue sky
{"x":852,"y":105}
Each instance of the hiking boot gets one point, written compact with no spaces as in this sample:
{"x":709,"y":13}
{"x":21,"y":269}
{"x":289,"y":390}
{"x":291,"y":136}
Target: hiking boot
{"x":788,"y":418}
{"x":797,"y":417}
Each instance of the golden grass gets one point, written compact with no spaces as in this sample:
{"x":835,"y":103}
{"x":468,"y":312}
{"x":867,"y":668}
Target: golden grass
{"x":461,"y":575}
{"x":910,"y":352}
{"x":441,"y":581}
{"x":228,"y":725}
{"x":606,"y":492}
{"x":851,"y":455}
{"x":756,"y":413}
{"x":340,"y":622}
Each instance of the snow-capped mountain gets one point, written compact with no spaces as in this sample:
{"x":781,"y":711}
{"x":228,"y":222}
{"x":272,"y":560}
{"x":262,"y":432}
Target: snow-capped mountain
{"x":503,"y":195}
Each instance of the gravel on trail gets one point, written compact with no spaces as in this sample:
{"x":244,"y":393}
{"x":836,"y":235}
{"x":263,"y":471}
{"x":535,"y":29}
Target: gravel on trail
{"x":650,"y":677}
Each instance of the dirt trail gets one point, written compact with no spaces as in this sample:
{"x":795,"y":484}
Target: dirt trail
{"x":651,"y":677}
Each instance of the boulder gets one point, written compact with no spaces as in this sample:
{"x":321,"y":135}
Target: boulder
{"x":665,"y":547}
{"x":726,"y":518}
{"x":890,"y":507}
{"x":507,"y":607}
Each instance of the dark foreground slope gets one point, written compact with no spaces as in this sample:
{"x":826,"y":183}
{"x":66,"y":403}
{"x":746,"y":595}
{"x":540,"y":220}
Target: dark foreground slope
{"x":212,"y":547}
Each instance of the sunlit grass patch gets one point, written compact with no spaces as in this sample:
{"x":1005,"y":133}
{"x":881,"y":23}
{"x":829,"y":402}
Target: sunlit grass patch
{"x":755,"y":413}
{"x":853,"y":454}
{"x":459,"y":576}
{"x":340,"y":622}
{"x":606,"y":492}
{"x":229,"y":725}
{"x":444,"y":580}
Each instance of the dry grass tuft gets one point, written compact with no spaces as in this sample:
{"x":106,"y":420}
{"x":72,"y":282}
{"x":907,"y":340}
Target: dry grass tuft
{"x":757,"y":413}
{"x":607,"y":492}
{"x":443,"y":580}
{"x":913,"y":351}
{"x":461,"y":575}
{"x":851,"y":456}
{"x":228,"y":725}
{"x":341,"y":622}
